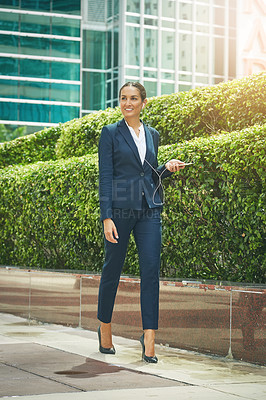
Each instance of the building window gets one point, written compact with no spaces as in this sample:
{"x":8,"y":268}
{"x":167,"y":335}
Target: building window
{"x":218,"y":56}
{"x":133,"y":6}
{"x":185,"y":53}
{"x":151,"y":7}
{"x":202,"y":14}
{"x":151,"y":48}
{"x":168,"y":8}
{"x":170,"y":39}
{"x":93,"y":90}
{"x":202,"y":54}
{"x":167,"y":88}
{"x":151,"y":88}
{"x":185,"y":11}
{"x":133,"y":45}
{"x":94,"y":49}
{"x":9,"y":22}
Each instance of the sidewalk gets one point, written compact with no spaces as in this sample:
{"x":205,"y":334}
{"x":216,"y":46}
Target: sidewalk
{"x":53,"y":362}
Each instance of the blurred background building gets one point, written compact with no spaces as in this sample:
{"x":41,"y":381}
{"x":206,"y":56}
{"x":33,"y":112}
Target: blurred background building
{"x":61,"y":59}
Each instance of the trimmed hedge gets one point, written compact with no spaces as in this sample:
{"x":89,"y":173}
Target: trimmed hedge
{"x":82,"y":136}
{"x":214,"y":218}
{"x":199,"y":112}
{"x":229,"y":106}
{"x":204,"y":111}
{"x":30,"y":148}
{"x":49,"y":214}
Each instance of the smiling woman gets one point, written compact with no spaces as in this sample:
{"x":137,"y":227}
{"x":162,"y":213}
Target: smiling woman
{"x":133,"y":99}
{"x":129,"y":202}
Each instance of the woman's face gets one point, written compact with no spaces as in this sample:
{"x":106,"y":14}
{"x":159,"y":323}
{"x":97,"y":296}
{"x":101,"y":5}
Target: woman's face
{"x":131,"y":102}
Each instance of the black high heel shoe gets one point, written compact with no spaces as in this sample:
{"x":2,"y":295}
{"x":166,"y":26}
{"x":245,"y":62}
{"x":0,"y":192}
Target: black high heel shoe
{"x":104,"y":350}
{"x":152,"y":360}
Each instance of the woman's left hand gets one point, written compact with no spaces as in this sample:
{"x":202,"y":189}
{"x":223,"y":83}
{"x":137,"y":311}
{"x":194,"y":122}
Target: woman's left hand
{"x":174,"y":165}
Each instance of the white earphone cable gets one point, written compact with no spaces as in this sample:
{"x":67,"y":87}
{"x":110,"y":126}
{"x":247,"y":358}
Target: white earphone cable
{"x":158,"y":185}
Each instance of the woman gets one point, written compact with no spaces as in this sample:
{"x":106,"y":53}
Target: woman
{"x":129,"y":183}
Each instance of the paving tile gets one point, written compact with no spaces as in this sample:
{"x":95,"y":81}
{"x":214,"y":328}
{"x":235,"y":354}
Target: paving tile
{"x":254,"y":391}
{"x":60,"y":361}
{"x":51,"y":369}
{"x":16,"y":382}
{"x":169,"y":393}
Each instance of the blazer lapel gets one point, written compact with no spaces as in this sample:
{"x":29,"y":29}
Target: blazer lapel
{"x":123,"y":129}
{"x":150,"y":154}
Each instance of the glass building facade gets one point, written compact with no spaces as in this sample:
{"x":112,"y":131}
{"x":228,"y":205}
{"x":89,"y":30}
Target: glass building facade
{"x":101,"y":25}
{"x":60,"y":60}
{"x":167,"y":45}
{"x":40,"y":59}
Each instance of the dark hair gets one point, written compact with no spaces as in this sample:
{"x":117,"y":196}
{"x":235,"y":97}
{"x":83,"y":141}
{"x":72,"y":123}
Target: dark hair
{"x":138,"y":86}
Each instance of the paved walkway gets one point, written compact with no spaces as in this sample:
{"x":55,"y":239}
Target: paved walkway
{"x":48,"y":362}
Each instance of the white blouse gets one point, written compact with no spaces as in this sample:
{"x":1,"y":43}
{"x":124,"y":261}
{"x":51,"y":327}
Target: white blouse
{"x":140,"y":141}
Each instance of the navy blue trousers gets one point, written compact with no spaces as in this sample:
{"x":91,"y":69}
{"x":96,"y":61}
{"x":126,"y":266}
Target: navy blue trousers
{"x":146,"y":227}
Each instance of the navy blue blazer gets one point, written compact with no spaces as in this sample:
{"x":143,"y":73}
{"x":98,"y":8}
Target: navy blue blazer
{"x":123,"y":179}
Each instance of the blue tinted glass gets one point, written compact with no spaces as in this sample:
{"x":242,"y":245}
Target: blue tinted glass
{"x":116,"y":7}
{"x":94,"y":49}
{"x":65,"y":48}
{"x":65,"y":26}
{"x":63,"y":113}
{"x":133,"y":45}
{"x":8,"y":88}
{"x":63,"y":92}
{"x":151,"y":48}
{"x":115,"y":88}
{"x":9,"y":111}
{"x":34,"y":90}
{"x":109,"y":8}
{"x":38,"y":5}
{"x":133,"y":6}
{"x":93,"y":91}
{"x":9,"y":66}
{"x":109,"y":91}
{"x":35,"y":23}
{"x":9,"y":21}
{"x":35,"y":68}
{"x":151,"y":88}
{"x":151,"y":7}
{"x":69,"y":71}
{"x":35,"y":46}
{"x":167,"y":88}
{"x":34,"y":112}
{"x":116,"y":46}
{"x":9,"y":3}
{"x":109,"y":49}
{"x":70,"y":7}
{"x":8,"y":44}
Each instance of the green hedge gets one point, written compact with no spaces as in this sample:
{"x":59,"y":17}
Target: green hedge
{"x":30,"y":148}
{"x":200,"y":112}
{"x":228,"y":106}
{"x":214,"y":217}
{"x":49,"y":214}
{"x":82,"y":136}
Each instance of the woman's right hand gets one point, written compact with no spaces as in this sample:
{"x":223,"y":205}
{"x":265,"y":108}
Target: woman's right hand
{"x":110,"y":230}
